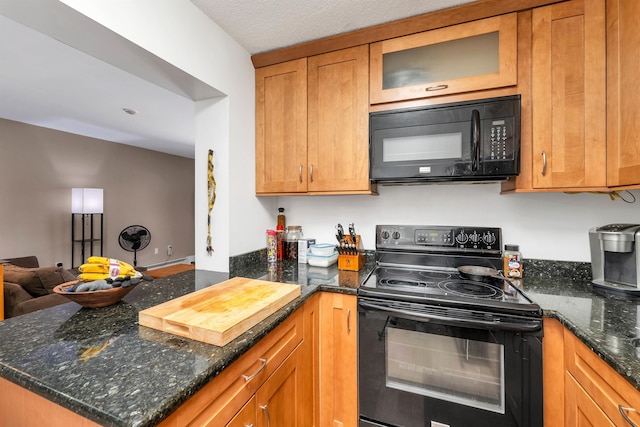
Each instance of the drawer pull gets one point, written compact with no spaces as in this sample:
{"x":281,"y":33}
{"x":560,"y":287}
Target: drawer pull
{"x":300,"y":174}
{"x":349,"y":320}
{"x":266,"y":411}
{"x":623,"y":411}
{"x":250,"y":377}
{"x":544,"y":163}
{"x":438,"y":87}
{"x":311,"y":173}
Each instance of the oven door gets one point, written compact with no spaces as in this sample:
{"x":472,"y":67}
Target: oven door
{"x":415,"y":372}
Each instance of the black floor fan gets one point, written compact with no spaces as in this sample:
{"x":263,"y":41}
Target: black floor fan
{"x":134,"y":238}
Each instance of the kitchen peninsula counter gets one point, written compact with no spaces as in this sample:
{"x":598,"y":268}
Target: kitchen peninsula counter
{"x":101,"y":364}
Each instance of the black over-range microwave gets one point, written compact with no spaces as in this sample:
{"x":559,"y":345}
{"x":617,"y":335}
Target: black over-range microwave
{"x":463,"y":141}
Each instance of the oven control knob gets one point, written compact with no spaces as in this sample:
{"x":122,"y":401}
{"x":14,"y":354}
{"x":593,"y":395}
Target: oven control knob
{"x":474,"y":237}
{"x":395,"y":235}
{"x":489,"y":238}
{"x":462,"y":238}
{"x":384,"y":234}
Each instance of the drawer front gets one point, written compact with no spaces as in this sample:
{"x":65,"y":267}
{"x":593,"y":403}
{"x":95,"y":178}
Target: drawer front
{"x":217,"y":402}
{"x":606,"y":387}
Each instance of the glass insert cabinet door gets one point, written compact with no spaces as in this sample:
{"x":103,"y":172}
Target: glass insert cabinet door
{"x":461,"y":58}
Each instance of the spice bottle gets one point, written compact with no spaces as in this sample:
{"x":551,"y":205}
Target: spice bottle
{"x":291,"y":237}
{"x":512,"y":261}
{"x":272,"y":248}
{"x":282,"y":222}
{"x":280,"y":241}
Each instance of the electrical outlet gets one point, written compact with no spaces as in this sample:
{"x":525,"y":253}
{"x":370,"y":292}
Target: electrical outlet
{"x":59,"y":264}
{"x":169,"y":250}
{"x":155,"y":251}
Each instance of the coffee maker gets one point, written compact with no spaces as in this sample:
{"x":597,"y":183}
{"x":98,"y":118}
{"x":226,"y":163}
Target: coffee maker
{"x":615,"y":258}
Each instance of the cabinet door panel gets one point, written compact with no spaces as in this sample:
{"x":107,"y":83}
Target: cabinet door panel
{"x":281,"y":127}
{"x":623,"y":85}
{"x":246,"y":417}
{"x":338,"y":360}
{"x":582,"y":411}
{"x":468,"y":68}
{"x":277,"y":399}
{"x":338,"y":144}
{"x":568,"y":91}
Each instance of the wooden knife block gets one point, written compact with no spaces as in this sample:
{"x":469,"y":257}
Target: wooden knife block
{"x":352,"y":262}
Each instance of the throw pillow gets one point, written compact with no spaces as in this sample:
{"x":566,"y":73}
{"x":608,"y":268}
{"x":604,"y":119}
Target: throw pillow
{"x":52,"y":278}
{"x":37,"y":281}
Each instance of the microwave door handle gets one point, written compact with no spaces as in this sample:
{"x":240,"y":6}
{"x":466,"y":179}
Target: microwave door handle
{"x":475,"y":140}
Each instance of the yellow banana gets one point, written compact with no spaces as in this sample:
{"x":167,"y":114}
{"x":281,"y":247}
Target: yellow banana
{"x":105,"y":269}
{"x":109,"y":261}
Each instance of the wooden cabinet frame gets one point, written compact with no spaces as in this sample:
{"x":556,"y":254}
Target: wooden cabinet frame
{"x":505,"y":25}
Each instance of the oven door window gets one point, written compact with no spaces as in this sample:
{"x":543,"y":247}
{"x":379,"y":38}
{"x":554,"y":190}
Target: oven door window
{"x":457,"y":370}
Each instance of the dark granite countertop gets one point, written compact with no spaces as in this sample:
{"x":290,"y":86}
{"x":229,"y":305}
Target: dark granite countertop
{"x":102,"y":365}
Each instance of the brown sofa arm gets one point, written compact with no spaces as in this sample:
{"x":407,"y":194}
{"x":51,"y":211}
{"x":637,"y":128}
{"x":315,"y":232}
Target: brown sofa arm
{"x":35,"y":304}
{"x":14,"y":294}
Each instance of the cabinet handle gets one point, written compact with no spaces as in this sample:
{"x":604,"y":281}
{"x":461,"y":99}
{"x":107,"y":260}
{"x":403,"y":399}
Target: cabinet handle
{"x":438,"y":87}
{"x":300,"y":173}
{"x":266,"y":411}
{"x":250,"y":377}
{"x":349,"y":320}
{"x":311,"y":173}
{"x":623,"y":410}
{"x":544,"y":163}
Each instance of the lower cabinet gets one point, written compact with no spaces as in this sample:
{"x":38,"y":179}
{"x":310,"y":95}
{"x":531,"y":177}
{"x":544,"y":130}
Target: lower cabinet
{"x":278,"y":402}
{"x":338,"y":360}
{"x":274,"y":361}
{"x":581,"y":389}
{"x":302,"y":374}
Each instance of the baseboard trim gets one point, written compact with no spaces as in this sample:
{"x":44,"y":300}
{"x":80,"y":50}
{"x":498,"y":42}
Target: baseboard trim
{"x":185,"y":260}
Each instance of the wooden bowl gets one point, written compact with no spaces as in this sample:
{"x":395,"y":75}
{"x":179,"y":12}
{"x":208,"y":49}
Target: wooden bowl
{"x":93,"y":299}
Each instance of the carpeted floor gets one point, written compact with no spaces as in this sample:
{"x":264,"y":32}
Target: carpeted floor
{"x":157,"y":273}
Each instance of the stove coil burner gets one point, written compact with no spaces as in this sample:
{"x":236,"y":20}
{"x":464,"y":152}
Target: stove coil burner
{"x":435,"y":275}
{"x":405,"y":283}
{"x":469,"y":288}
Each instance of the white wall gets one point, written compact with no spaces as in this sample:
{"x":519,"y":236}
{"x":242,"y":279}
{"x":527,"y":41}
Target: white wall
{"x":179,"y":33}
{"x":552,"y":226}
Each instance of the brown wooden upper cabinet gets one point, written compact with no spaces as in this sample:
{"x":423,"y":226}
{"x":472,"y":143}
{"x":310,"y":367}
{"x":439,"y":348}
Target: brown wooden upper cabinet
{"x":312,"y":125}
{"x":461,"y":58}
{"x":569,"y":95}
{"x":623,"y":87}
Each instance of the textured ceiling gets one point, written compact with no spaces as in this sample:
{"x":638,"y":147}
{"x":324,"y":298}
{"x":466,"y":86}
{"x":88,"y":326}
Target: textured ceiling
{"x":53,"y":84}
{"x":263,"y":25}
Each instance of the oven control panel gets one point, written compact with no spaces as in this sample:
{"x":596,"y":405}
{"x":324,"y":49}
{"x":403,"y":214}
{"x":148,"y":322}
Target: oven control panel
{"x":425,"y":238}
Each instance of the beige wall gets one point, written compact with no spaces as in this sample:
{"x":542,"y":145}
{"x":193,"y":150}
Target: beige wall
{"x":38,"y":168}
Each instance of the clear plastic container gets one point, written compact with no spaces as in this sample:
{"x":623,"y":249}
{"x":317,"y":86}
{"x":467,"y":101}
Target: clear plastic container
{"x":291,"y":237}
{"x":272,"y":246}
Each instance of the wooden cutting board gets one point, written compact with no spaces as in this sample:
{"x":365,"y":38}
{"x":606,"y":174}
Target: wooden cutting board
{"x":219,"y":313}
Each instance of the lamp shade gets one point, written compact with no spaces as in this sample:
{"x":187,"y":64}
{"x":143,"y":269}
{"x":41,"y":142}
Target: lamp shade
{"x":86,"y":200}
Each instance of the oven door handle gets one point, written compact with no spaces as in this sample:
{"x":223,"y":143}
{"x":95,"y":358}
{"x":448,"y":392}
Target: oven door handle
{"x":528,"y":326}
